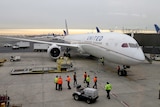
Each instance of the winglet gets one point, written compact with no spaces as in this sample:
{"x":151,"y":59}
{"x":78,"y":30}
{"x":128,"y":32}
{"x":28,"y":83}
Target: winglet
{"x":157,"y":28}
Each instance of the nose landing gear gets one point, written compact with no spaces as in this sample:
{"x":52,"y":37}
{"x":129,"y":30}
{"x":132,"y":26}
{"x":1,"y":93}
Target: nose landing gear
{"x":66,"y":53}
{"x":123,"y":72}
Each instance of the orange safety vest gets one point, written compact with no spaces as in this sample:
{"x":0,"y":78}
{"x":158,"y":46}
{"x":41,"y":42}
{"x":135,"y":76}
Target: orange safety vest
{"x":95,"y":79}
{"x":85,"y":75}
{"x":60,"y":80}
{"x":68,"y":79}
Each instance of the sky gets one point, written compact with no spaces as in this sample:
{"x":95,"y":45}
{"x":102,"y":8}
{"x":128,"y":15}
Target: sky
{"x":80,"y":14}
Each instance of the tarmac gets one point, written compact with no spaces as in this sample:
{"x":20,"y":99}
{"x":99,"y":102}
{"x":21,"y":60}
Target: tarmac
{"x":139,"y":89}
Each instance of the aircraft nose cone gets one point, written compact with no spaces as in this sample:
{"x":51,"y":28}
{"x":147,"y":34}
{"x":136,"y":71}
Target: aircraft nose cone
{"x":140,"y":56}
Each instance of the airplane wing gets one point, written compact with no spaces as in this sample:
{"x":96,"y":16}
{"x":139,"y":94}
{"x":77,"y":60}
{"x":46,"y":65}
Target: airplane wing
{"x":45,"y":42}
{"x":54,"y":50}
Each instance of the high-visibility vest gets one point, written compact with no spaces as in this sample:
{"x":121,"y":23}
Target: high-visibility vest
{"x":88,"y":79}
{"x":95,"y":79}
{"x":108,"y":87}
{"x":56,"y":80}
{"x":60,"y":81}
{"x":68,"y":79}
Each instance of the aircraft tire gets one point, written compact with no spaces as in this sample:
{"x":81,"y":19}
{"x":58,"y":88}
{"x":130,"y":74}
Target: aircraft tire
{"x":124,"y":73}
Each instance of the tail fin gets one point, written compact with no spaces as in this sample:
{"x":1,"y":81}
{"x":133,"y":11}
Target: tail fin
{"x":157,"y":28}
{"x":98,"y":31}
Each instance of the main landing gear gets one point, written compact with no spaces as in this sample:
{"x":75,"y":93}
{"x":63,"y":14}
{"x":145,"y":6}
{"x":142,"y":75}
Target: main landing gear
{"x":66,"y":53}
{"x":123,"y":72}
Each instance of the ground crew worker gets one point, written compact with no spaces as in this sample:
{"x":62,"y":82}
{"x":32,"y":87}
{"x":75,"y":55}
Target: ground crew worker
{"x":60,"y":82}
{"x":88,"y":80}
{"x":108,"y":88}
{"x":56,"y":81}
{"x":159,"y":90}
{"x":75,"y":79}
{"x":95,"y":82}
{"x":68,"y":82}
{"x":85,"y":76}
{"x":118,"y":69}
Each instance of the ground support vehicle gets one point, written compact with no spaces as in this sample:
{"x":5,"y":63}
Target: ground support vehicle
{"x":89,"y":95}
{"x":15,"y":47}
{"x":37,"y":47}
{"x":2,"y":61}
{"x":36,"y":70}
{"x":23,"y":44}
{"x":4,"y":100}
{"x":15,"y":58}
{"x":63,"y":65}
{"x":156,"y":58}
{"x":7,"y":45}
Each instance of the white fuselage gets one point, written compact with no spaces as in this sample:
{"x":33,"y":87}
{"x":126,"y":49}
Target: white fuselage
{"x":114,"y":47}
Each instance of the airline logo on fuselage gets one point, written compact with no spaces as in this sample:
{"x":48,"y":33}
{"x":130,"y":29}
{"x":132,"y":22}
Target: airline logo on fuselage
{"x":95,"y":38}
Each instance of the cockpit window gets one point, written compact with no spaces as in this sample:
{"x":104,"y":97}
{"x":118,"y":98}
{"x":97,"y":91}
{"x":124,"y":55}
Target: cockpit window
{"x":132,"y":45}
{"x":124,"y":45}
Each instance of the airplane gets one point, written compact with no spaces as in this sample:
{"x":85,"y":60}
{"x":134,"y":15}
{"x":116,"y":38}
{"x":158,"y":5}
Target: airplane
{"x":111,"y":46}
{"x":157,"y":28}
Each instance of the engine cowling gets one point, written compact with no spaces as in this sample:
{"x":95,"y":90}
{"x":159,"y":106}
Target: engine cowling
{"x":54,"y":51}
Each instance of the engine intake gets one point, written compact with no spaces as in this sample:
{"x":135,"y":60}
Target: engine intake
{"x":54,"y":51}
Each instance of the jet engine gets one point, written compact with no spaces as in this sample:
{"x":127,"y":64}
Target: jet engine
{"x":54,"y":51}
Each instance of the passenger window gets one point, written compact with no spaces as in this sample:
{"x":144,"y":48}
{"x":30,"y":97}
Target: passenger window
{"x":124,"y":45}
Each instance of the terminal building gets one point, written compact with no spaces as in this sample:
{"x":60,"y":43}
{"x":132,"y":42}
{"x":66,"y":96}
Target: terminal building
{"x":150,"y":42}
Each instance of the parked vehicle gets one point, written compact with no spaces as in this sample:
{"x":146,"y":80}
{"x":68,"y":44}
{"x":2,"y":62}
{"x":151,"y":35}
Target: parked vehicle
{"x":7,"y":45}
{"x":15,"y":47}
{"x":22,"y":44}
{"x":87,"y":94}
{"x":40,"y":47}
{"x":2,"y":61}
{"x":155,"y":57}
{"x":4,"y":100}
{"x":15,"y":58}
